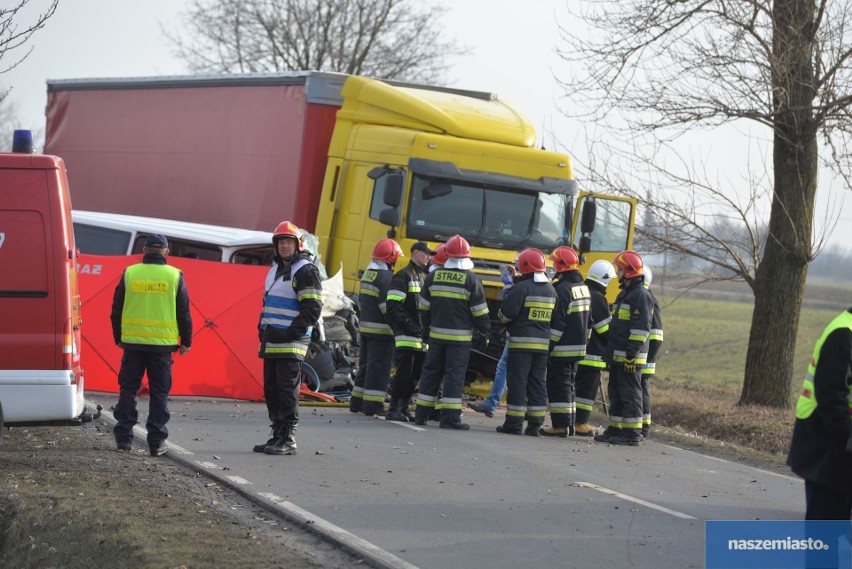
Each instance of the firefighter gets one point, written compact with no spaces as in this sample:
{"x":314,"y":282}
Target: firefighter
{"x":821,"y":450}
{"x":569,"y":332}
{"x":527,"y":310}
{"x":403,"y":316}
{"x":292,"y":305}
{"x":454,"y":315}
{"x":655,"y":340}
{"x":627,"y":351}
{"x":590,"y":367}
{"x":376,"y":337}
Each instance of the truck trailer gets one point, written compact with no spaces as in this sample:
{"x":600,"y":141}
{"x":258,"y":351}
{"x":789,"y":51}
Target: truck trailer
{"x":348,"y":158}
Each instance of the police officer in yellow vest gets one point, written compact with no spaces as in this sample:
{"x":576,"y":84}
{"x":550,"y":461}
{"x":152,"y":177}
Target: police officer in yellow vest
{"x":150,"y":320}
{"x":821,"y":452}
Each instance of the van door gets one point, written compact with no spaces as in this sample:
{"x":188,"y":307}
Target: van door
{"x":27,"y":296}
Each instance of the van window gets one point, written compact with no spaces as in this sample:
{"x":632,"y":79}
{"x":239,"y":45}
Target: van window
{"x":24,"y":253}
{"x":181,"y":248}
{"x":94,"y":240}
{"x":261,"y":256}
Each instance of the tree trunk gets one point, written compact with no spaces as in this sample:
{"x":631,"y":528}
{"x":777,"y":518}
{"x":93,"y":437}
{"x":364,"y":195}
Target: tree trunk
{"x":780,"y":279}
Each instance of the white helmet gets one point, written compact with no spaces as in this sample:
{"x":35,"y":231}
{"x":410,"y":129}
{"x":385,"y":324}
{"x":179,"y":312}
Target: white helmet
{"x":601,"y":272}
{"x":649,"y":276}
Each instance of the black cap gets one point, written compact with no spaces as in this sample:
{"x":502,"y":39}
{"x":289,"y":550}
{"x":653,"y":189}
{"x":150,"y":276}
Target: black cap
{"x":421,"y":246}
{"x":157,"y":241}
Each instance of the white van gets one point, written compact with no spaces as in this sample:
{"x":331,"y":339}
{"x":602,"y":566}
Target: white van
{"x":100,"y":233}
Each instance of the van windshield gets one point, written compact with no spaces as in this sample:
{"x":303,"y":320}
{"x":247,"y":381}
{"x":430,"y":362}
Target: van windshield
{"x":487,"y":215}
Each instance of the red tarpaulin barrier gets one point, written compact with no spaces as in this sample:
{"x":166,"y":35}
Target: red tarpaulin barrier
{"x":225,"y":300}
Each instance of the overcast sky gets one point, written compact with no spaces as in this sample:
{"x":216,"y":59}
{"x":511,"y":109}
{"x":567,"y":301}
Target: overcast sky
{"x":512,"y":47}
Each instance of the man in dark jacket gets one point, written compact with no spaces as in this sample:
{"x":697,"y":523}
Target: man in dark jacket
{"x":821,"y":450}
{"x":403,"y":298}
{"x":150,"y":320}
{"x":292,"y":305}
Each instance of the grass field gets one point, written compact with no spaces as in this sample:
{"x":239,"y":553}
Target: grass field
{"x":702,"y":361}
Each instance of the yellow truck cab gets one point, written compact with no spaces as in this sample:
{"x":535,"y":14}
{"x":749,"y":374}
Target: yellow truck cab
{"x":417,"y":163}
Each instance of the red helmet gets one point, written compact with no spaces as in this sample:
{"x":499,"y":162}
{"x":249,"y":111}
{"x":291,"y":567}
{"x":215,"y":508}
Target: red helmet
{"x":387,"y":250}
{"x":565,"y":259}
{"x":531,"y":261}
{"x":440,"y":256}
{"x":629,"y":262}
{"x":287,"y":229}
{"x":457,"y":246}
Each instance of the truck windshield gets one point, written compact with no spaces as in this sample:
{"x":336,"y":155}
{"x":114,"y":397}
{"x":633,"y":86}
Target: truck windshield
{"x":487,"y":215}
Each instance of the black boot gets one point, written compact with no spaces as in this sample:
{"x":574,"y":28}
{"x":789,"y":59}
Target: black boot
{"x":272,"y":438}
{"x":356,"y":403}
{"x":421,"y":414}
{"x":405,"y":409}
{"x":512,"y":426}
{"x":533,"y":428}
{"x":375,"y":408}
{"x":394,"y":412}
{"x":286,"y":441}
{"x":451,"y":419}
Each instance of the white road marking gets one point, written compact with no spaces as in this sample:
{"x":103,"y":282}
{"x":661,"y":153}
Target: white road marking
{"x":635,"y":500}
{"x":238,"y":480}
{"x":339,"y":533}
{"x":209,"y":465}
{"x":411,"y":426}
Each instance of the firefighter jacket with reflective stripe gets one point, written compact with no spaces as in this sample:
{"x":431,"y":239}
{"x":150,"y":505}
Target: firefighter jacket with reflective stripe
{"x":150,"y":308}
{"x":601,"y":318}
{"x":452,"y":305}
{"x":292,"y":305}
{"x":527,"y":310}
{"x":572,"y":317}
{"x":403,"y":298}
{"x":375,"y":282}
{"x":655,"y":338}
{"x":823,"y":426}
{"x":631,"y":324}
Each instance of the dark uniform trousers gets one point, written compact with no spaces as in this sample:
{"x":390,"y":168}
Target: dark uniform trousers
{"x":282,"y":380}
{"x":409,"y":368}
{"x":587,"y":382}
{"x":445,"y":363}
{"x":625,"y":405}
{"x":560,"y":391}
{"x":134,"y":364}
{"x":373,"y":376}
{"x":526,"y":397}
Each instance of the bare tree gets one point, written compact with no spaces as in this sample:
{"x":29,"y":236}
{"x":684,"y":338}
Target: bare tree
{"x":14,"y":35}
{"x":389,"y":39}
{"x":662,"y":68}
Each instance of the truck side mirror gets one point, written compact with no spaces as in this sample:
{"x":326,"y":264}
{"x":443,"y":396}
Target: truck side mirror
{"x":585,"y":245}
{"x":590,"y":212}
{"x":390,"y":216}
{"x":393,"y":189}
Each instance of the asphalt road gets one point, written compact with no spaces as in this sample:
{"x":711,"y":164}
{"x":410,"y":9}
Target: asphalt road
{"x":428,"y":497}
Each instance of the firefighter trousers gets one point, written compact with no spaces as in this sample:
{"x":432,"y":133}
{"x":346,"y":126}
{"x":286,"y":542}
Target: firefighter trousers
{"x":282,"y":381}
{"x":560,"y":391}
{"x":587,"y":382}
{"x":445,"y":363}
{"x":371,"y":381}
{"x":409,"y":366}
{"x":527,"y":391}
{"x":625,"y":401}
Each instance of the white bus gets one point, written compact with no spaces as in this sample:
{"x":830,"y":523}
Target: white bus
{"x":98,"y":233}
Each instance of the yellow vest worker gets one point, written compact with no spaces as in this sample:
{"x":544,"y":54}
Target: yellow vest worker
{"x":150,"y":320}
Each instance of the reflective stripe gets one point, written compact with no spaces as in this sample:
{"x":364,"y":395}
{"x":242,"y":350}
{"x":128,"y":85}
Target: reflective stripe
{"x":408,"y":342}
{"x":529,"y":343}
{"x":577,"y":350}
{"x":396,"y":296}
{"x":375,"y":328}
{"x":479,"y":309}
{"x":374,"y":395}
{"x":656,"y":334}
{"x":451,"y":334}
{"x":638,"y":335}
{"x":807,"y":402}
{"x":603,"y":325}
{"x":148,"y":314}
{"x":586,"y":404}
{"x":592,"y":360}
{"x":649,"y":369}
{"x":424,"y":304}
{"x":288,"y":348}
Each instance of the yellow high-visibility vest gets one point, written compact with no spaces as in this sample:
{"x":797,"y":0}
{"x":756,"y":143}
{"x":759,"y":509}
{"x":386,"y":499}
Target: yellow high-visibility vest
{"x":150,"y":303}
{"x":807,"y":400}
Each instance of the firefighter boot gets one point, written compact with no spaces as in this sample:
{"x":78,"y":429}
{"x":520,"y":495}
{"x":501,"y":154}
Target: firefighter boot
{"x":421,"y":414}
{"x":533,"y":428}
{"x":609,"y":433}
{"x":394,"y":412}
{"x":561,"y":432}
{"x":584,"y":430}
{"x":512,"y":425}
{"x":272,"y":438}
{"x":286,"y":441}
{"x":376,"y":408}
{"x":451,"y":419}
{"x":356,"y":403}
{"x":405,"y":409}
